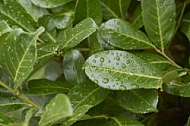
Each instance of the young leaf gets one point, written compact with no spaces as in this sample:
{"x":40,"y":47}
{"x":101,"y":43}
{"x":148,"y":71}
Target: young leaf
{"x":49,"y":3}
{"x":58,"y":108}
{"x":185,"y":28}
{"x":72,"y":67}
{"x":137,"y":19}
{"x":159,"y":20}
{"x":88,"y":8}
{"x":138,"y":101}
{"x":120,"y":70}
{"x":19,"y":54}
{"x":83,"y":97}
{"x":120,"y":33}
{"x":70,"y":38}
{"x":114,"y":8}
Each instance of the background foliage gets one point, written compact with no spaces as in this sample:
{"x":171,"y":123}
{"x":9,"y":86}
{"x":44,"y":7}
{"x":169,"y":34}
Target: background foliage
{"x":94,"y":62}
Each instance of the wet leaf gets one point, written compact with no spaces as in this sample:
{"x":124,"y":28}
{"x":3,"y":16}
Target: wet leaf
{"x":159,"y":23}
{"x":138,"y":101}
{"x":19,"y":54}
{"x":121,"y":70}
{"x":58,"y":108}
{"x":49,"y":3}
{"x":185,"y":28}
{"x":137,"y":19}
{"x":120,"y":33}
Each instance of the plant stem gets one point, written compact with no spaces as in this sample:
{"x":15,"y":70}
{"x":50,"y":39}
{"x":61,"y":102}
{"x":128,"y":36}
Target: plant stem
{"x":19,"y":95}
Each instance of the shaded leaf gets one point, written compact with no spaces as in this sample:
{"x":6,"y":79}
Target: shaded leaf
{"x":114,"y":8}
{"x":83,"y":97}
{"x":19,"y":54}
{"x":70,"y":38}
{"x":159,"y":23}
{"x":120,"y":33}
{"x":185,"y":28}
{"x":93,"y":122}
{"x":49,"y":3}
{"x":58,"y":108}
{"x":88,"y":8}
{"x":72,"y":67}
{"x":137,"y":19}
{"x":28,"y":116}
{"x":121,"y":70}
{"x":138,"y":101}
{"x":5,"y":120}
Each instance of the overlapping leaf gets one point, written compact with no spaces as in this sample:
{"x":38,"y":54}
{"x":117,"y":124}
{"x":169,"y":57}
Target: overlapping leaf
{"x":138,"y":101}
{"x":49,"y":3}
{"x":122,"y":34}
{"x":4,"y":27}
{"x":185,"y":28}
{"x":19,"y":54}
{"x":137,"y":19}
{"x":159,"y":20}
{"x":121,"y":70}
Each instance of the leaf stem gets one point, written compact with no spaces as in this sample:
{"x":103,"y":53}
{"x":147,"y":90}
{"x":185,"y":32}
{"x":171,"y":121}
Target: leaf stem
{"x":19,"y":95}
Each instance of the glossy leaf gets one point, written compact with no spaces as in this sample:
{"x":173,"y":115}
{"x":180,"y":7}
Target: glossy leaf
{"x":71,"y":38}
{"x":88,"y":8}
{"x":121,"y":70}
{"x":4,"y":27}
{"x":49,"y":3}
{"x":83,"y":97}
{"x":138,"y":101}
{"x":120,"y":33}
{"x":137,"y":19}
{"x":72,"y":67}
{"x":58,"y":108}
{"x":159,"y":23}
{"x":185,"y":28}
{"x":123,"y":121}
{"x":114,"y":8}
{"x":19,"y":54}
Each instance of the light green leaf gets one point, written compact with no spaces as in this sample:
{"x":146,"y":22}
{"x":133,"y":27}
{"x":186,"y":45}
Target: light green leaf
{"x":72,"y":67}
{"x":19,"y":54}
{"x":58,"y":108}
{"x":114,"y":8}
{"x":49,"y":3}
{"x":4,"y":27}
{"x":159,"y":23}
{"x":88,"y":8}
{"x":120,"y":70}
{"x":83,"y":97}
{"x":123,"y":121}
{"x":70,"y":38}
{"x":16,"y":15}
{"x":185,"y":28}
{"x":137,"y":19}
{"x":120,"y":33}
{"x":28,"y":116}
{"x":138,"y":101}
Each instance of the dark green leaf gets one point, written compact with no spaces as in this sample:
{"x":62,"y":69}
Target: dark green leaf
{"x":115,"y":8}
{"x":49,"y":3}
{"x":4,"y":27}
{"x":5,"y":120}
{"x":83,"y":97}
{"x":137,"y":19}
{"x":88,"y":8}
{"x":120,"y":70}
{"x":72,"y":67}
{"x":138,"y":101}
{"x":185,"y":28}
{"x":19,"y":54}
{"x":94,"y":122}
{"x":122,"y":34}
{"x":58,"y":108}
{"x":159,"y":20}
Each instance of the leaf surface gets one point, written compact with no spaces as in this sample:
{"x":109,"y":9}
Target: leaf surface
{"x":120,"y":33}
{"x":120,"y":70}
{"x":4,"y":27}
{"x":137,"y":19}
{"x":49,"y":3}
{"x":159,"y":23}
{"x":185,"y":28}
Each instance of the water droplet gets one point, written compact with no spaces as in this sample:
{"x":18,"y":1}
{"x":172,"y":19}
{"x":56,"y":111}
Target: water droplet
{"x":122,"y":87}
{"x":117,"y":58}
{"x":94,"y":60}
{"x":105,"y":80}
{"x":123,"y":65}
{"x":142,"y":70}
{"x":106,"y":52}
{"x":102,"y":59}
{"x":96,"y":56}
{"x":127,"y":61}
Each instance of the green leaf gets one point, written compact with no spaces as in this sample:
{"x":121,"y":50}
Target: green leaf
{"x":138,"y":101}
{"x":58,"y":108}
{"x":70,"y":38}
{"x":16,"y":15}
{"x":72,"y":67}
{"x":88,"y":8}
{"x":5,"y":120}
{"x":49,"y":3}
{"x":177,"y":88}
{"x":19,"y":54}
{"x":114,"y":8}
{"x":4,"y":28}
{"x":123,"y":121}
{"x":120,"y":33}
{"x":28,"y":116}
{"x":185,"y":28}
{"x":159,"y":20}
{"x":44,"y":86}
{"x":121,"y":70}
{"x":137,"y":19}
{"x":83,"y":97}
